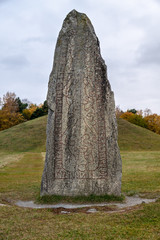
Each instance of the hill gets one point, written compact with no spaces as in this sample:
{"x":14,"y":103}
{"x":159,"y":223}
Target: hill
{"x":134,"y":138}
{"x":25,"y":137}
{"x":31,"y":136}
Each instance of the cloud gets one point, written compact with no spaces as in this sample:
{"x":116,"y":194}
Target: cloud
{"x":14,"y":61}
{"x":3,"y":1}
{"x":129,"y":40}
{"x":150,"y":54}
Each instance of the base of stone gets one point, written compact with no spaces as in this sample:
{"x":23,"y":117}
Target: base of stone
{"x":79,"y":199}
{"x":82,"y":187}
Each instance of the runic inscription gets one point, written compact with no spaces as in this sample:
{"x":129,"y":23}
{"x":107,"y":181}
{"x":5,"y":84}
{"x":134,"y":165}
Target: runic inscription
{"x":82,"y":152}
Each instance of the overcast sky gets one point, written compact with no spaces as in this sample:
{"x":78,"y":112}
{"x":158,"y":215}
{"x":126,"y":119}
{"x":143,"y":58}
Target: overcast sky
{"x":129,"y":35}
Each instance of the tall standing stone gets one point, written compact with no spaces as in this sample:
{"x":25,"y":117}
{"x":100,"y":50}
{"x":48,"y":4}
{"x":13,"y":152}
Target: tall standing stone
{"x":82,"y":155}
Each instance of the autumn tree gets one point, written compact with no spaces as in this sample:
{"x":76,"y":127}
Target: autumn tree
{"x":119,"y":112}
{"x":27,"y":113}
{"x":153,"y":122}
{"x":134,"y":118}
{"x":9,"y":115}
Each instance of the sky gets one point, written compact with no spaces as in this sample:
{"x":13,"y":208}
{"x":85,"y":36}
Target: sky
{"x":129,"y":37}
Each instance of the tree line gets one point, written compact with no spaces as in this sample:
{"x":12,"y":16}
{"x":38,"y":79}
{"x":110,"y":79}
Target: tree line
{"x":14,"y":110}
{"x":145,"y":119}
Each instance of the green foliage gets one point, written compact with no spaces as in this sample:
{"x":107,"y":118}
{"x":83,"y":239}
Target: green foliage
{"x":132,"y":111}
{"x":150,"y":121}
{"x":45,"y":107}
{"x":40,"y":111}
{"x":21,"y":105}
{"x":134,"y":118}
{"x":37,"y":113}
{"x":138,"y":120}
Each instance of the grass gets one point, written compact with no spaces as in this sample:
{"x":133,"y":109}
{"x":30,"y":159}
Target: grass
{"x":21,"y":180}
{"x":23,"y":224}
{"x":135,"y":138}
{"x":22,"y":163}
{"x":141,"y":172}
{"x":79,"y":199}
{"x":25,"y":137}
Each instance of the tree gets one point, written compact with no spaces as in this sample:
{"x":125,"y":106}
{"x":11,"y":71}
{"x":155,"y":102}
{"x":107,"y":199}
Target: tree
{"x":153,"y":123}
{"x":37,"y":113}
{"x":45,"y":107}
{"x":139,"y":112}
{"x":132,"y":111}
{"x":147,"y":112}
{"x":27,"y":113}
{"x":134,"y":118}
{"x":119,"y":112}
{"x":21,"y":105}
{"x":40,"y":111}
{"x":9,"y":115}
{"x":9,"y":102}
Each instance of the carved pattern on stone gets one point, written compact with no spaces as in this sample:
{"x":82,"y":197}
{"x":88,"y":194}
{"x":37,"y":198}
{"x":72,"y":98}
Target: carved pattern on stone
{"x":82,"y":154}
{"x":92,"y":118}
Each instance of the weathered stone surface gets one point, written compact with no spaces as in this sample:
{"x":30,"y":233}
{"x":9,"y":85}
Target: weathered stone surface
{"x":82,"y":155}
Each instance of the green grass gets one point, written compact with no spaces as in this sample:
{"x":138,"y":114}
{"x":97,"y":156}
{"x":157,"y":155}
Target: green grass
{"x":21,"y":180}
{"x":20,"y":177}
{"x":135,"y":138}
{"x":79,"y":199}
{"x":28,"y":136}
{"x":141,"y":172}
{"x":23,"y":224}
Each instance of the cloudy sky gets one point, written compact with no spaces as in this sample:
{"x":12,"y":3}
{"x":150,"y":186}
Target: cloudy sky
{"x":129,"y":38}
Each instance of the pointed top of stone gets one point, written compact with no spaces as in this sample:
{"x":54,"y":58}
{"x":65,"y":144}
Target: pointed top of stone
{"x":74,"y":20}
{"x":74,"y":13}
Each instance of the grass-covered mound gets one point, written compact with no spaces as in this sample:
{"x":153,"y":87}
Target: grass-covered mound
{"x":31,"y":136}
{"x":134,"y":138}
{"x":27,"y":136}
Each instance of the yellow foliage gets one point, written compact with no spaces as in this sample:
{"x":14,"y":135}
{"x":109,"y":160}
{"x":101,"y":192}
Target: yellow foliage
{"x":9,"y":115}
{"x":127,"y":115}
{"x":153,"y":122}
{"x":9,"y":119}
{"x":27,"y":113}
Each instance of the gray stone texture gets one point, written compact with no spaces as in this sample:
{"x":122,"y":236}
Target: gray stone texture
{"x":82,"y":155}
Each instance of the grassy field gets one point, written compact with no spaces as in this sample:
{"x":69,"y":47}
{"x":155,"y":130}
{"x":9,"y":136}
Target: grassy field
{"x":22,"y":158}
